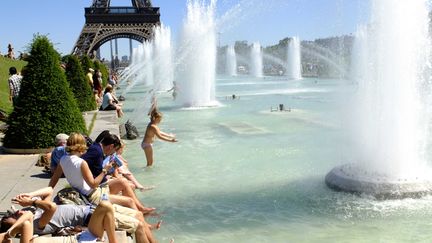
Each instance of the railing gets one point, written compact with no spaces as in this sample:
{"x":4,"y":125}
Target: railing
{"x":122,"y":15}
{"x":122,"y":10}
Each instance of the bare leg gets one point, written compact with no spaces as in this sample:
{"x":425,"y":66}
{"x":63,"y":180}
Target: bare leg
{"x":23,"y":226}
{"x":140,"y":234}
{"x":121,"y":185}
{"x":132,"y":178}
{"x":103,"y":220}
{"x":149,"y":155}
{"x":26,"y":232}
{"x":146,"y":227}
{"x":123,"y":201}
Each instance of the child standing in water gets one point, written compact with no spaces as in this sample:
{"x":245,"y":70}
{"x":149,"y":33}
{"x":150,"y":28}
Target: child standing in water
{"x":152,"y":132}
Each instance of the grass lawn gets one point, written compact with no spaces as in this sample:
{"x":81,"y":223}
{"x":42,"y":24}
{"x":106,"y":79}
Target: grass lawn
{"x":5,"y":64}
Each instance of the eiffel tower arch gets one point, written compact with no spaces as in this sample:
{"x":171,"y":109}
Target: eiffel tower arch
{"x":105,"y":23}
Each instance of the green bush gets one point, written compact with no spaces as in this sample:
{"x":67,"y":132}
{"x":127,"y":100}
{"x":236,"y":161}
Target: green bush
{"x":45,"y":106}
{"x":86,"y":63}
{"x":79,"y":85}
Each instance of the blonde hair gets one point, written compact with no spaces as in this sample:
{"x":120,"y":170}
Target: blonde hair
{"x":76,"y":143}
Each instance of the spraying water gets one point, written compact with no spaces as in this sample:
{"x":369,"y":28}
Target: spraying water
{"x":293,"y":66}
{"x":196,"y":73}
{"x":256,"y":67}
{"x":163,"y":69}
{"x":231,"y":62}
{"x":390,"y":115}
{"x":390,"y":129}
{"x":148,"y":63}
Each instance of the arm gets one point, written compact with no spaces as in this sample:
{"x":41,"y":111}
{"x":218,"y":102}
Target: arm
{"x":45,"y":204}
{"x":88,"y":176}
{"x":19,"y":227}
{"x":45,"y":193}
{"x":162,"y":135}
{"x":56,"y":176}
{"x":10,"y":90}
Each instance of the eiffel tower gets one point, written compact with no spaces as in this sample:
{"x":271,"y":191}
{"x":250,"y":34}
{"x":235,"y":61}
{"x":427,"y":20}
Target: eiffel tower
{"x":105,"y":23}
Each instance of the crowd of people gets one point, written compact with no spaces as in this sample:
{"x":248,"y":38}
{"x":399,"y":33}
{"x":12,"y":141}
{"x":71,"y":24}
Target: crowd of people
{"x":99,"y":174}
{"x":106,"y":100}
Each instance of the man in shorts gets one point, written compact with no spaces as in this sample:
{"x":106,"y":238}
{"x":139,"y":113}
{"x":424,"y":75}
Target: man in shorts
{"x":50,"y":218}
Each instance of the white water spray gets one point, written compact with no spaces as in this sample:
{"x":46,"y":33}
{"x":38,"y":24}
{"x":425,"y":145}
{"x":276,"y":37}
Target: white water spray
{"x":231,"y":61}
{"x":293,"y":66}
{"x":256,"y":63}
{"x":196,"y":73}
{"x":390,"y":126}
{"x":163,"y":67}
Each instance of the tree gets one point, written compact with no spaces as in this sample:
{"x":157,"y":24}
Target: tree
{"x":79,"y":85}
{"x":86,"y":63}
{"x":45,"y":106}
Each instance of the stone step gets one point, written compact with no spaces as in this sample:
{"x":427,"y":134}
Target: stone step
{"x":120,"y":235}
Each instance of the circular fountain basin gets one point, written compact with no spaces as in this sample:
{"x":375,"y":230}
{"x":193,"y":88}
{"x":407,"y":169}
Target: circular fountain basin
{"x":353,"y":179}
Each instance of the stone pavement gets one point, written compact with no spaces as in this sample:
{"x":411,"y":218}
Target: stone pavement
{"x":19,"y":174}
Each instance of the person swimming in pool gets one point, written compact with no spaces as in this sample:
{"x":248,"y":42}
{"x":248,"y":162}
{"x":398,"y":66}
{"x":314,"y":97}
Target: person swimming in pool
{"x":150,"y":134}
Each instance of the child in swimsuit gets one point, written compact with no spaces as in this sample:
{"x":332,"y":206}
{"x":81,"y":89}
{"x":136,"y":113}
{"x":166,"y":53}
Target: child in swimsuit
{"x":152,"y":132}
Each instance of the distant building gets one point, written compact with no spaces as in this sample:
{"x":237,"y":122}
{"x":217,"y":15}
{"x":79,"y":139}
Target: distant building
{"x":125,"y":58}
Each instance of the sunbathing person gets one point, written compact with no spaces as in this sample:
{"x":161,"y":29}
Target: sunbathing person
{"x":50,"y":218}
{"x":16,"y":223}
{"x":150,"y":134}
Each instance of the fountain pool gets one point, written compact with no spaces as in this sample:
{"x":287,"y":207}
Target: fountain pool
{"x":241,"y":173}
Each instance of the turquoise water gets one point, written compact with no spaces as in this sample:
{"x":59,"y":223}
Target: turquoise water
{"x":241,"y":173}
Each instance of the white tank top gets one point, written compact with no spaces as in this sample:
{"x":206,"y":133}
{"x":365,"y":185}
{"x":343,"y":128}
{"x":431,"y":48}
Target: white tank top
{"x":71,"y":165}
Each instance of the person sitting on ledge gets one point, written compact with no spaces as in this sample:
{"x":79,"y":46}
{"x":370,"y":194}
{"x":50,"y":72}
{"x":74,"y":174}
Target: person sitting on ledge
{"x":92,"y":185}
{"x":108,"y":102}
{"x":59,"y":151}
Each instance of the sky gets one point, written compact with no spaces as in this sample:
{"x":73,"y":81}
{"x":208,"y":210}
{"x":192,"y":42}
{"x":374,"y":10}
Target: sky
{"x":264,"y":21}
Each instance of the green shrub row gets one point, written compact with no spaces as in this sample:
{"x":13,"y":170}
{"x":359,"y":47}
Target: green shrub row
{"x":46,"y":105}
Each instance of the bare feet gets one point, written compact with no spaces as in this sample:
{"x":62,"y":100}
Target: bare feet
{"x":156,"y":226}
{"x":146,"y":211}
{"x":145,"y":188}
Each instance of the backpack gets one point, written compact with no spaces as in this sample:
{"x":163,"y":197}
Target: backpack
{"x":131,"y":130}
{"x":69,"y":195}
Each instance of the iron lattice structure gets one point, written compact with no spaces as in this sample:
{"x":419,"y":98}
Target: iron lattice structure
{"x":104,"y":23}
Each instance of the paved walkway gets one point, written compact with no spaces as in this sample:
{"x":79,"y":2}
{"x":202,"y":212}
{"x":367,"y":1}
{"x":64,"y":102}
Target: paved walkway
{"x":19,"y":173}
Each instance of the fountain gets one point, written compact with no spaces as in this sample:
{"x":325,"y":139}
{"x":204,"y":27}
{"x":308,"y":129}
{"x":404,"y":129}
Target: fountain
{"x":163,"y":68}
{"x":390,"y":115}
{"x":293,"y":66}
{"x":231,"y":61}
{"x":196,"y":69}
{"x":256,"y":67}
{"x":148,"y":62}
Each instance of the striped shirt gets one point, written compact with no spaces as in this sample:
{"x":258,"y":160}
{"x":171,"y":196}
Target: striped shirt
{"x":14,"y":84}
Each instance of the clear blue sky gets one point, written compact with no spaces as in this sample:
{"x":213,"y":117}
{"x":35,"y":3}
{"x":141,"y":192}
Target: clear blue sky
{"x":266,"y":21}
